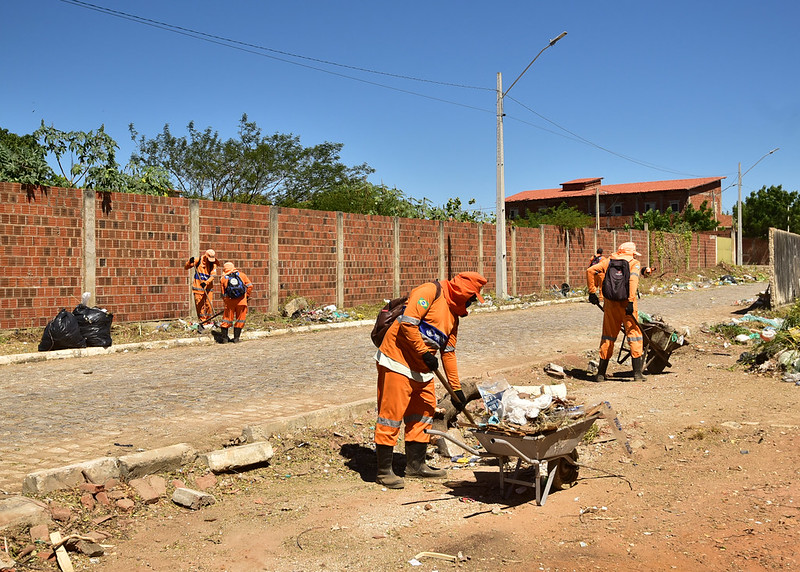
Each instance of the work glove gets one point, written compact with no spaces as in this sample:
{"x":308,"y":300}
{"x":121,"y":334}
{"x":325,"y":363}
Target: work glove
{"x":629,"y":309}
{"x":593,"y":299}
{"x":462,"y":400}
{"x":191,"y":260}
{"x":202,"y":284}
{"x":430,"y":360}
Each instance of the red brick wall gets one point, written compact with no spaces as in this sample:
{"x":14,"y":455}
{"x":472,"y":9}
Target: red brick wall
{"x":307,"y":255}
{"x":461,"y":248}
{"x":528,"y":260}
{"x":368,"y":259}
{"x":41,"y":235}
{"x":419,"y":252}
{"x":142,"y":243}
{"x":238,"y":233}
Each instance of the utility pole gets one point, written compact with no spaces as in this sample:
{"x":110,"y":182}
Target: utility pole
{"x":501,"y":272}
{"x":501,"y":289}
{"x":739,"y":221}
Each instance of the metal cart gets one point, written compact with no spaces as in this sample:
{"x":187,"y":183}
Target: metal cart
{"x":551,"y":455}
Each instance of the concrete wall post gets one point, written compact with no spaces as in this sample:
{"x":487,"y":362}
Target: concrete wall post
{"x":89,"y":266}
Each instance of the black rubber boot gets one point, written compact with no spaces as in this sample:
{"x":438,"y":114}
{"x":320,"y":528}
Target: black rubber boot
{"x":223,"y":339}
{"x":236,"y":333}
{"x":415,"y":462}
{"x":638,"y":363}
{"x":386,"y":476}
{"x":601,"y":370}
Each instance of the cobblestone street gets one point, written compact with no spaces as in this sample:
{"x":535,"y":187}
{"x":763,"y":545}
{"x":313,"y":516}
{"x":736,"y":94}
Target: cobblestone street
{"x":59,"y":412}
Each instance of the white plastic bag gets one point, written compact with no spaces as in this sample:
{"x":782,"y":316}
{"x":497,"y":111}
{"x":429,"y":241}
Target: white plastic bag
{"x":492,"y":393}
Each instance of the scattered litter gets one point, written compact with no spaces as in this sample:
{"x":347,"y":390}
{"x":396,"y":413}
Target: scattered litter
{"x":774,"y":323}
{"x":437,"y":556}
{"x":554,"y":370}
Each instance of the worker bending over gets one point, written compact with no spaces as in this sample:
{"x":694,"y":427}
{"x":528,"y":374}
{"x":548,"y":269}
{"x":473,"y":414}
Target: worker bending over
{"x":408,"y":354}
{"x":236,"y":289}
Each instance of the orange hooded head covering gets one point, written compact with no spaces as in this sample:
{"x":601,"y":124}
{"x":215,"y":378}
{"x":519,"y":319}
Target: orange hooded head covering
{"x":460,"y":289}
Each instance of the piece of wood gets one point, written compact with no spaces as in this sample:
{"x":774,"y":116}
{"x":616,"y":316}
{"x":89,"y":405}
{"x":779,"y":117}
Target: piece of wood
{"x":61,"y":553}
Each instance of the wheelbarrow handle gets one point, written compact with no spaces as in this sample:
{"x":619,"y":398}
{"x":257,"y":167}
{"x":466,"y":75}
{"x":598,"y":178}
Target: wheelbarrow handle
{"x":453,"y":397}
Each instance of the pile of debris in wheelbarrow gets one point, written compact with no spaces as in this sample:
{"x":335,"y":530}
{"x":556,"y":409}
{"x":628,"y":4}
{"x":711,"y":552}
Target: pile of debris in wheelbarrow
{"x":538,"y":426}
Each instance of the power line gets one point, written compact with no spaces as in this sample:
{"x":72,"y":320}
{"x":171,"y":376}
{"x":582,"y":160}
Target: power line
{"x":595,"y":145}
{"x":226,"y":41}
{"x":259,"y":50}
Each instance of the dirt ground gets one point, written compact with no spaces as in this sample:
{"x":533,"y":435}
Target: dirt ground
{"x":711,"y":485}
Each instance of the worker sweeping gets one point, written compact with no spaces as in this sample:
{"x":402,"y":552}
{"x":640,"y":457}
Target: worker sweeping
{"x":236,"y":288}
{"x":620,"y":308}
{"x":409,"y":352}
{"x":205,"y":269}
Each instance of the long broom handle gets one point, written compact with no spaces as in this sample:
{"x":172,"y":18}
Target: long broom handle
{"x":453,"y":397}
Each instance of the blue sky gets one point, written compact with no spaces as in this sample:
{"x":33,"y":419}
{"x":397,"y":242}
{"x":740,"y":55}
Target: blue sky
{"x":636,"y":91}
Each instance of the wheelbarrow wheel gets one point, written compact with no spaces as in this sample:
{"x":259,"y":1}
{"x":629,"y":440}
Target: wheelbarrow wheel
{"x":566,"y":473}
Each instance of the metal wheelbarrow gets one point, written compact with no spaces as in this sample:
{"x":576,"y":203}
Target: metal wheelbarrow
{"x":660,"y":340}
{"x":552,"y":455}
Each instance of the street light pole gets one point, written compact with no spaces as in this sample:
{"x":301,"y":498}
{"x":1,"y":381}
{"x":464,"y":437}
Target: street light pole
{"x":739,"y":208}
{"x":500,"y":242}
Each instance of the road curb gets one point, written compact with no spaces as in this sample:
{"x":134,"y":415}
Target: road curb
{"x":172,"y":457}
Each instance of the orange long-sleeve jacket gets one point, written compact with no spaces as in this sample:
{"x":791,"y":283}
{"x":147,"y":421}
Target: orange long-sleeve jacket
{"x":204,"y":272}
{"x":430,"y":324}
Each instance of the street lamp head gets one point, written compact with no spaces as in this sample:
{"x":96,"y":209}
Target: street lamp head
{"x":775,"y":149}
{"x":561,"y":35}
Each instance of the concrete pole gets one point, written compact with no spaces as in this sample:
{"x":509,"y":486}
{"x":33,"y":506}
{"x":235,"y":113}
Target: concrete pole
{"x":340,"y":260}
{"x":396,"y":258}
{"x":194,"y":247}
{"x":89,"y":269}
{"x":274,"y":273}
{"x":739,"y":220}
{"x":500,"y":243}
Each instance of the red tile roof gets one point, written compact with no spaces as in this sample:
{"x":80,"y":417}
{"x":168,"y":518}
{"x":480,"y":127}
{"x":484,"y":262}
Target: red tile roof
{"x":646,"y":187}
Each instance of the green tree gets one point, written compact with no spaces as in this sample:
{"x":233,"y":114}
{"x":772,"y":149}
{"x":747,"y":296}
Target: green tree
{"x":92,"y":157}
{"x":23,"y":160}
{"x":769,"y":207}
{"x":691,"y":219}
{"x":253,"y":168}
{"x":561,"y":216}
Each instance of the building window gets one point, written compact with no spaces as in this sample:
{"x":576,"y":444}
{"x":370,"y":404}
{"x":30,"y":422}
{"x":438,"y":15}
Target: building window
{"x":513,"y":213}
{"x":675,"y":206}
{"x":649,"y":207}
{"x":617,"y":209}
{"x":602,"y":208}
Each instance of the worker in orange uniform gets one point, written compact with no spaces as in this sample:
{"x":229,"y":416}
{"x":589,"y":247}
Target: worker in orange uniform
{"x":620,"y":308}
{"x":598,"y":277}
{"x":205,"y":269}
{"x":236,"y":288}
{"x":405,"y":361}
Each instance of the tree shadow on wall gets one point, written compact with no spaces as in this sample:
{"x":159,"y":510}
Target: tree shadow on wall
{"x":30,"y":191}
{"x":105,"y":204}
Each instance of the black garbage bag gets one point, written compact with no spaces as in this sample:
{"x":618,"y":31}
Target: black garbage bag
{"x":95,"y":325}
{"x":62,"y":333}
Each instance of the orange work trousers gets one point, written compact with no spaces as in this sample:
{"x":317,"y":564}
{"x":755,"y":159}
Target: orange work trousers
{"x":403,"y":400}
{"x":235,"y":312}
{"x":202,"y":303}
{"x":614,"y":318}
